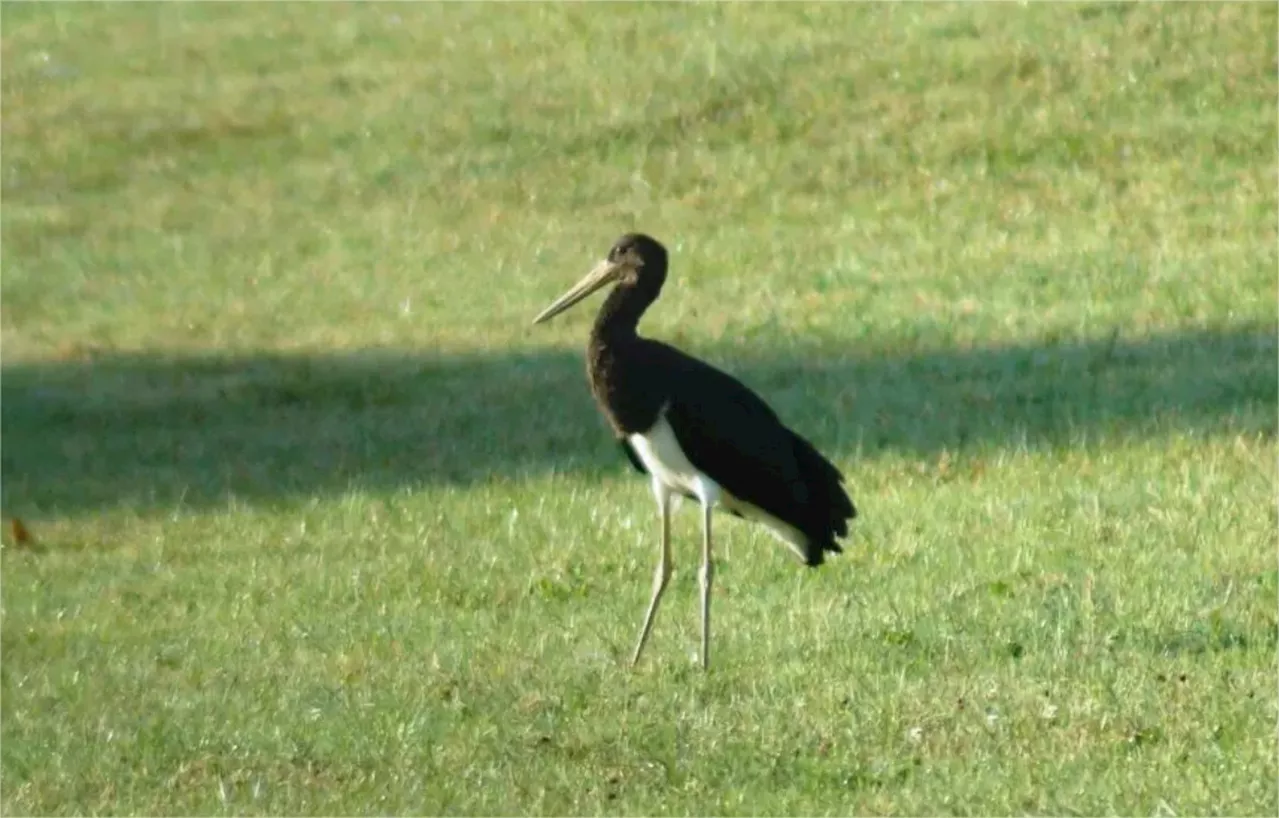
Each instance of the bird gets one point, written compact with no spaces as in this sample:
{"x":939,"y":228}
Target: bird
{"x":697,"y":432}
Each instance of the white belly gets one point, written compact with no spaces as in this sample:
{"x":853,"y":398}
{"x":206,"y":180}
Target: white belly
{"x":666,"y":462}
{"x":672,"y":472}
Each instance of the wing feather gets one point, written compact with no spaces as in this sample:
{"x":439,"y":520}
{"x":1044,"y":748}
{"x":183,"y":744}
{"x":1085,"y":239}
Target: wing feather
{"x":728,"y":432}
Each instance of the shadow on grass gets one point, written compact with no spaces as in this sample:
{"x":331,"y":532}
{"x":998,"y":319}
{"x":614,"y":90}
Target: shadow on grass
{"x":145,"y":432}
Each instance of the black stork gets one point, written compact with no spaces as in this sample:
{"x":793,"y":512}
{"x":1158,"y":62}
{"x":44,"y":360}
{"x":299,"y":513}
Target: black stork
{"x":697,"y":431}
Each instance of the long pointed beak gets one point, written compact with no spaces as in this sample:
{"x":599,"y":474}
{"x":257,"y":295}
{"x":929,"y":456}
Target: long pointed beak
{"x":600,"y":275}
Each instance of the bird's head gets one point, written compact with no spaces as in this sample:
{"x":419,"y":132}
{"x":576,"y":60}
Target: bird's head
{"x":635,"y":260}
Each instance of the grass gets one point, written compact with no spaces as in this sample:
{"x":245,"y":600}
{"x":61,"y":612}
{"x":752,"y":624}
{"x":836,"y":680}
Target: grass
{"x":323,"y":526}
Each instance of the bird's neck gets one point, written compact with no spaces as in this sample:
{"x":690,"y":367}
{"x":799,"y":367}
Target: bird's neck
{"x":620,"y":314}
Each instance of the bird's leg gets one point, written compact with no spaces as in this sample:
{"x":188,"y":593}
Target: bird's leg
{"x":705,"y":581}
{"x":663,"y":572}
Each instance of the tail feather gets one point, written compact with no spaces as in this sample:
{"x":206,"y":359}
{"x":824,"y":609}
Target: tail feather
{"x":829,"y":502}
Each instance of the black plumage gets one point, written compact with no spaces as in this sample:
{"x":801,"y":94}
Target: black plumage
{"x":748,"y":461}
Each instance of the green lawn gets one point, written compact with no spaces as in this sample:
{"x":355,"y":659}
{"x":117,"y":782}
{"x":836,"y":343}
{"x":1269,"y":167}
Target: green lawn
{"x":323,"y":525}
